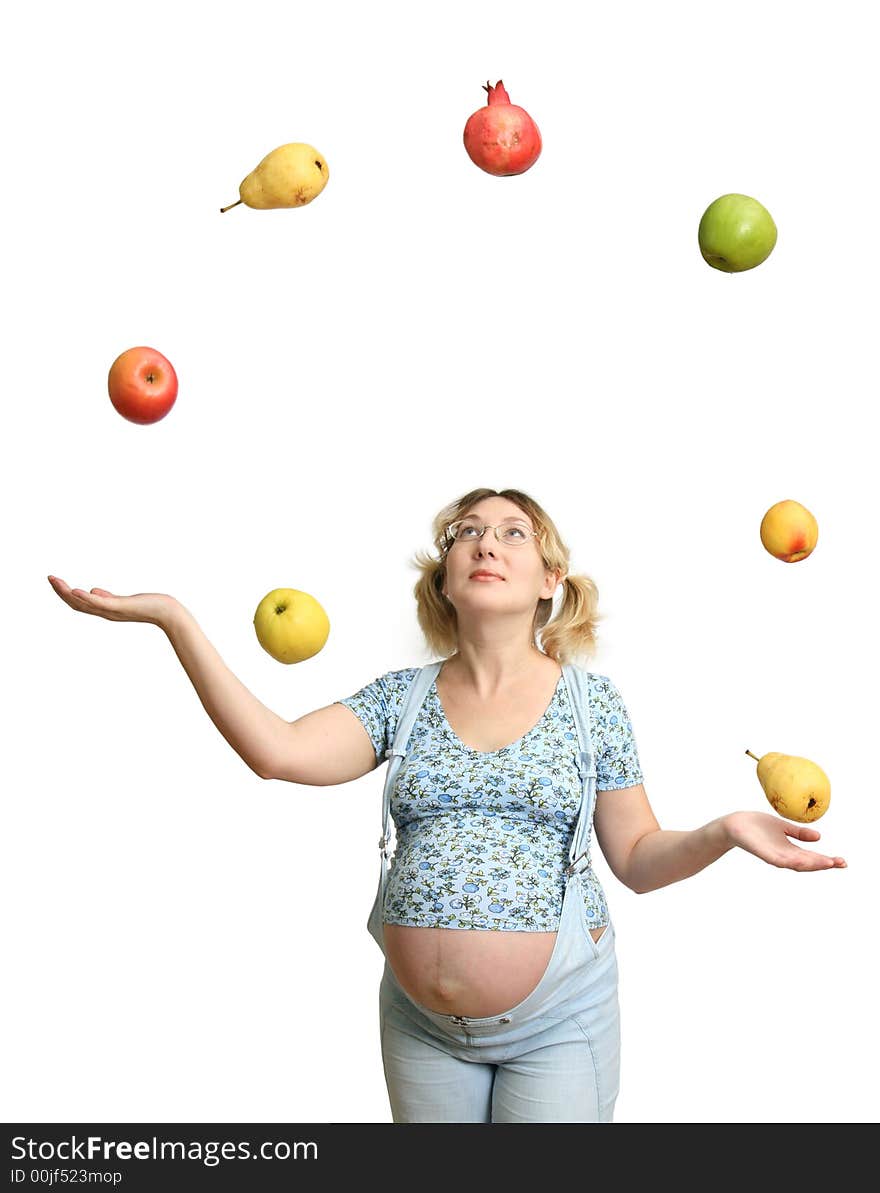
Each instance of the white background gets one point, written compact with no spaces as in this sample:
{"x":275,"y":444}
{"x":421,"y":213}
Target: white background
{"x":187,"y":942}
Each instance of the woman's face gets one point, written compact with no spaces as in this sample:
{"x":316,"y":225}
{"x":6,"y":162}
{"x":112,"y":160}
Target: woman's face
{"x":518,"y":577}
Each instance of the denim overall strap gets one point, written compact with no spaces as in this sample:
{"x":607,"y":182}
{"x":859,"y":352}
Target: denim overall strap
{"x":413,"y":701}
{"x":578,"y":691}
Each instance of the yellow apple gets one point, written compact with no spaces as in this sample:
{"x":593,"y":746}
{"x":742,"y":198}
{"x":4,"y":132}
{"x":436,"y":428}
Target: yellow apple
{"x":291,"y":625}
{"x":789,"y":531}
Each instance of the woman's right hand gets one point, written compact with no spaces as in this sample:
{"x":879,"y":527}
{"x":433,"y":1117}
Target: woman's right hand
{"x":154,"y":607}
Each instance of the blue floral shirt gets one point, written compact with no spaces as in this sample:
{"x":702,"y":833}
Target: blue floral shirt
{"x":483,"y":837}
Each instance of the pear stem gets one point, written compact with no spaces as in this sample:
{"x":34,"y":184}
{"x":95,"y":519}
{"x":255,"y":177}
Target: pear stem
{"x":751,"y":755}
{"x":230,"y":207}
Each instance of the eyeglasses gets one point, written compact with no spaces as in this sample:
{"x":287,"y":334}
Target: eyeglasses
{"x":510,"y":532}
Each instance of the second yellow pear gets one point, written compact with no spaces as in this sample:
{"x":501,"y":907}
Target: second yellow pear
{"x":797,"y":788}
{"x":290,"y":176}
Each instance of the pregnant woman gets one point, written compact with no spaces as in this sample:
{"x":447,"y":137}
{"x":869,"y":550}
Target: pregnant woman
{"x":498,"y":1000}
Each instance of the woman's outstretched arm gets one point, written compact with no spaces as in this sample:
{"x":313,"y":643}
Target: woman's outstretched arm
{"x":645,"y":857}
{"x":255,"y":732}
{"x":325,"y":747}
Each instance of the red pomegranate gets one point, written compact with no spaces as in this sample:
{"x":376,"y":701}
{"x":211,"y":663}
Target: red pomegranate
{"x":502,"y":138}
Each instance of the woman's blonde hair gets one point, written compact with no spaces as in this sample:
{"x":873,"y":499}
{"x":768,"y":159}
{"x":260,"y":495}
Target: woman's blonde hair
{"x":571,"y":633}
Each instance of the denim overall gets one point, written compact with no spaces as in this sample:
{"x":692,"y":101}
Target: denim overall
{"x":555,"y":1056}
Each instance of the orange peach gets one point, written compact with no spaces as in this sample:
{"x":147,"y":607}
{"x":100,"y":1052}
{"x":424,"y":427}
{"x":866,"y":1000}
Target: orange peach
{"x":789,"y":531}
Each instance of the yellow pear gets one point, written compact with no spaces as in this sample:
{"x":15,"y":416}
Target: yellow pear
{"x":290,"y":176}
{"x":797,"y":788}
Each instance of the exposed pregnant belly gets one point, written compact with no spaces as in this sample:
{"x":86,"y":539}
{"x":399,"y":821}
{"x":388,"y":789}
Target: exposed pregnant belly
{"x":467,"y":971}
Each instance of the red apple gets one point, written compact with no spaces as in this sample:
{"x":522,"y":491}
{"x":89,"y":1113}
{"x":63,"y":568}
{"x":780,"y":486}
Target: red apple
{"x":142,"y":385}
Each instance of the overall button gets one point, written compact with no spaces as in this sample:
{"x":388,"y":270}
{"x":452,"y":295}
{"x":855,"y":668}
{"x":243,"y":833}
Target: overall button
{"x":504,"y":1020}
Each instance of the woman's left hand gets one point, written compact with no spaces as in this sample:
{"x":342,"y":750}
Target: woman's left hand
{"x":767,"y":837}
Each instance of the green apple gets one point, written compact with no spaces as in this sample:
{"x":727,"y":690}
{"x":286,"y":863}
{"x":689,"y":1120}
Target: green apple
{"x":736,"y":233}
{"x":291,"y":625}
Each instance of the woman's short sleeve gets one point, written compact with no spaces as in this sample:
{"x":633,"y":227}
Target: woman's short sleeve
{"x":617,"y":757}
{"x":378,"y":706}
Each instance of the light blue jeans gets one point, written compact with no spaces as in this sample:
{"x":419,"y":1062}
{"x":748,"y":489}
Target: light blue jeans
{"x":553,"y":1058}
